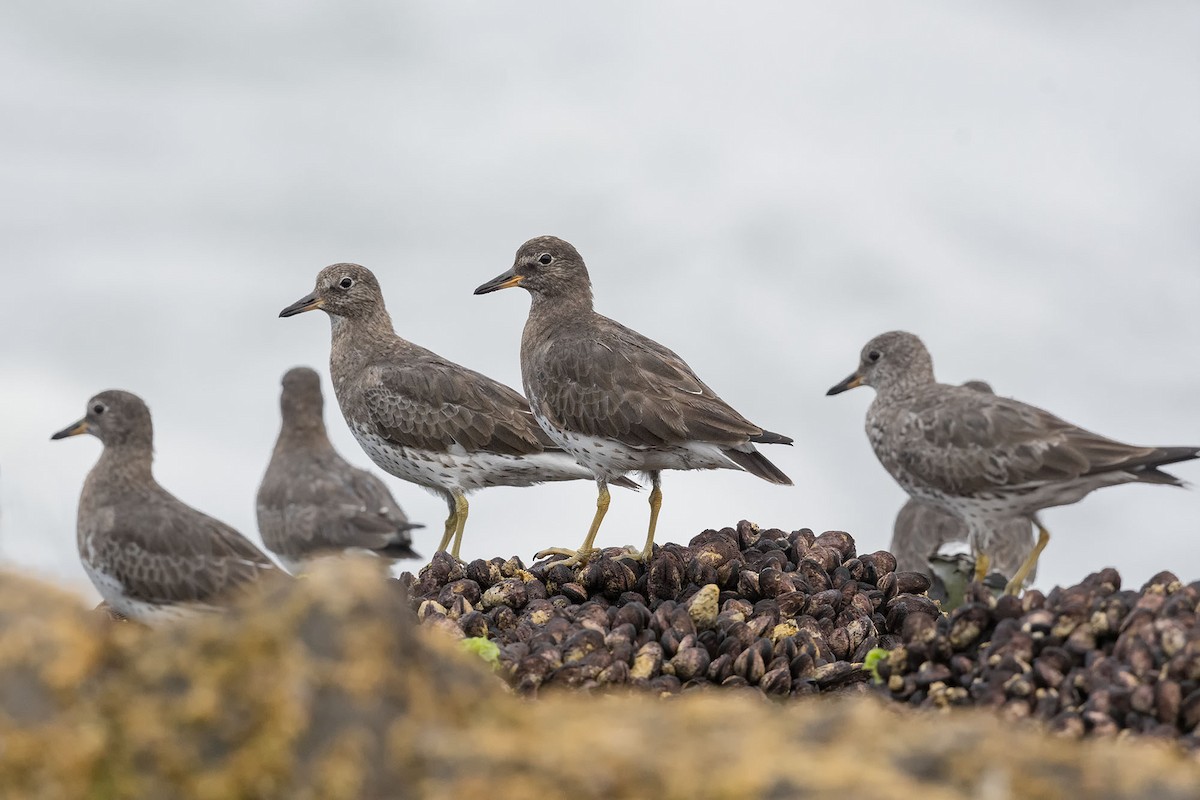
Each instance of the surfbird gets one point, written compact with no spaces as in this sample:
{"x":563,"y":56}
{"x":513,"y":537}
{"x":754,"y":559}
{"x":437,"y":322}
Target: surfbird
{"x":987,"y":459}
{"x":151,"y":557}
{"x":421,"y":417}
{"x":951,"y":574}
{"x":312,"y":502}
{"x":614,"y":399}
{"x":923,"y":529}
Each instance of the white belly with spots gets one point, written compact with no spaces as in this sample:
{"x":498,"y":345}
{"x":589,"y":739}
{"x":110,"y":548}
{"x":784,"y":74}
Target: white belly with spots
{"x":609,"y":458}
{"x":140,"y":610}
{"x":458,"y":470}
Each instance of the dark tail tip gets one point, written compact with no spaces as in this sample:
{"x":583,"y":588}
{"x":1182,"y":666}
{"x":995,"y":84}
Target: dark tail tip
{"x":767,"y":437}
{"x":626,"y":483}
{"x":398,"y":550}
{"x":1149,"y":472}
{"x":756,"y":463}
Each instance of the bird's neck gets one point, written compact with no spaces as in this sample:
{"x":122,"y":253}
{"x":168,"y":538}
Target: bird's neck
{"x":355,"y":339}
{"x":307,"y":433}
{"x":125,"y":463}
{"x":576,"y":302}
{"x":547,"y":315}
{"x":901,"y":391}
{"x":376,"y":326}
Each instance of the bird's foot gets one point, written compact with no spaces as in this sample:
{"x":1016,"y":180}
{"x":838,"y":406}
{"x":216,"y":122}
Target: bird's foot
{"x":1014,"y":587}
{"x":573,"y":557}
{"x":982,"y":562}
{"x":633,"y":554}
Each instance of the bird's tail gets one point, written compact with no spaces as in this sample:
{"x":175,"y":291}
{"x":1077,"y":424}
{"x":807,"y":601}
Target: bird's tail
{"x":756,"y":463}
{"x":398,"y":550}
{"x":767,"y":437}
{"x":1147,"y":469}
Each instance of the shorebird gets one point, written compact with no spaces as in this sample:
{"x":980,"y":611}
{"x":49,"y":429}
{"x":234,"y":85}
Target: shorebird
{"x":421,"y":417}
{"x":923,"y":529}
{"x":151,"y":556}
{"x":312,"y":502}
{"x":987,"y":459}
{"x":614,"y":399}
{"x":950,"y":575}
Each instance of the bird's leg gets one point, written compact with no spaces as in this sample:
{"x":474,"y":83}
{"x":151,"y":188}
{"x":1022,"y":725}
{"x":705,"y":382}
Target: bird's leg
{"x":647,"y":552}
{"x":1018,"y":580}
{"x":451,"y":524}
{"x":982,"y":563}
{"x":581,"y":555}
{"x":460,"y":508}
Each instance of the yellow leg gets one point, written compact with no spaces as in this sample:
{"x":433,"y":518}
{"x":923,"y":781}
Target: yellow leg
{"x":451,"y":526}
{"x":647,"y":552}
{"x":460,"y":509}
{"x":581,"y":555}
{"x":982,"y":564}
{"x":1018,"y":580}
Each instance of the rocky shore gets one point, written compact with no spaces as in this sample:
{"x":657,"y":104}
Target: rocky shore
{"x":327,"y":688}
{"x":796,"y":613}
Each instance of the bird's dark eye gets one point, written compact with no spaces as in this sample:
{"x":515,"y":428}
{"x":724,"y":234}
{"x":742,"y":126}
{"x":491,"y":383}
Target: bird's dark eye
{"x":98,"y":408}
{"x":874,"y":356}
{"x":545,"y":258}
{"x":346,"y":282}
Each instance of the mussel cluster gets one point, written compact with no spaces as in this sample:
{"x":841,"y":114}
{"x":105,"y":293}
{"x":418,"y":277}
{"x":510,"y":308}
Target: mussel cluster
{"x":789,"y":613}
{"x":799,"y":613}
{"x":1088,"y":659}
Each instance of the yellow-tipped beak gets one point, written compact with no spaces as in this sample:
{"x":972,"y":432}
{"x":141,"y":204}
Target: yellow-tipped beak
{"x":854,"y":381}
{"x":74,"y":429}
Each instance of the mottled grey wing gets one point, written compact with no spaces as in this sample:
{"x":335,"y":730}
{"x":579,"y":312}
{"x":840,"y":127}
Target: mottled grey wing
{"x":381,"y":513}
{"x":968,"y":442}
{"x":433,"y":404}
{"x":270,"y":502}
{"x":167,"y":552}
{"x":624,"y":386}
{"x":325,"y":509}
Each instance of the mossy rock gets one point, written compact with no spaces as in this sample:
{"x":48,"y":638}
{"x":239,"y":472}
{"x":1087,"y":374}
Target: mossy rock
{"x":326,"y":688}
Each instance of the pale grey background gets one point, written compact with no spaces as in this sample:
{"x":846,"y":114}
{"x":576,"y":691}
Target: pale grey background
{"x":761,"y":186}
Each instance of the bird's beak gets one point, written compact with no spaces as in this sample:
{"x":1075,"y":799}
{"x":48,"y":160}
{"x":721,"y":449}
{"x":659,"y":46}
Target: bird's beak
{"x":303,"y":304}
{"x":504,"y":281}
{"x":855,"y":380}
{"x":74,"y":429}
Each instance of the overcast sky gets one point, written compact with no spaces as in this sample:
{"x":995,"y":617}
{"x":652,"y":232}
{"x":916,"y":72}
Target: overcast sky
{"x":760,"y":186}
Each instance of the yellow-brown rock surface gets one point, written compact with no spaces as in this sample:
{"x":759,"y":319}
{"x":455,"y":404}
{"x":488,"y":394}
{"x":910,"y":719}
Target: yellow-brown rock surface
{"x":325,"y":688}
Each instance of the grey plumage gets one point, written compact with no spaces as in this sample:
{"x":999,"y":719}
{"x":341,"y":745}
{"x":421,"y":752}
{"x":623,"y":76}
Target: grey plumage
{"x":151,"y":556}
{"x":312,"y":502}
{"x":922,"y":529}
{"x":984,"y":458}
{"x":614,"y":399}
{"x":419,"y":416}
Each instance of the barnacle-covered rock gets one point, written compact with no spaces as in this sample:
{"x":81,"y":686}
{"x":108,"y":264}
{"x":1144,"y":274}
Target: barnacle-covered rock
{"x":703,"y":606}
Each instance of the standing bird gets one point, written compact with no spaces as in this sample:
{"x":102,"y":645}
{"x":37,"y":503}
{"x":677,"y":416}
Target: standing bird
{"x":311,"y":502}
{"x":151,"y":557}
{"x":922,"y":529}
{"x":421,"y":417}
{"x":614,"y":399}
{"x":987,"y":459}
